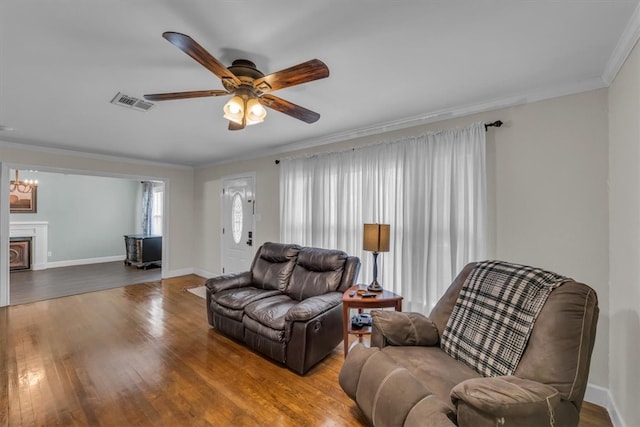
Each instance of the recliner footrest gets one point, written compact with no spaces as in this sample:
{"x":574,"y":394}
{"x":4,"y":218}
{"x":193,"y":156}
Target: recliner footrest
{"x":387,"y":393}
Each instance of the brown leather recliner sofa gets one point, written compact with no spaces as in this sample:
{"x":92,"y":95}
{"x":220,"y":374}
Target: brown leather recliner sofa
{"x":288,"y":307}
{"x":407,"y":379}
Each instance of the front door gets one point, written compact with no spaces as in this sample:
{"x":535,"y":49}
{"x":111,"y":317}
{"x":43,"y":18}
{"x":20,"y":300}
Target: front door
{"x":238,"y":204}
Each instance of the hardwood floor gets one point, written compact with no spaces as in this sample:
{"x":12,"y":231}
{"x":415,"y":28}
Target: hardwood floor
{"x":30,"y":286}
{"x":145,"y":355}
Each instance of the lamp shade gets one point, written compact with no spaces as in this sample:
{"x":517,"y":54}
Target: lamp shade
{"x":376,"y":237}
{"x":234,"y":109}
{"x":255,"y":112}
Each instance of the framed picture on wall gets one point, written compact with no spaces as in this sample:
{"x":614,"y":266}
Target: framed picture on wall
{"x":23,"y":201}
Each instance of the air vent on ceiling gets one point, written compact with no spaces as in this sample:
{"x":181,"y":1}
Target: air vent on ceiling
{"x":131,"y":102}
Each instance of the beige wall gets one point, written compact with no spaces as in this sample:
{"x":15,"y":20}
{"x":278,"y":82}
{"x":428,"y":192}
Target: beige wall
{"x":624,"y":229}
{"x":548,"y":200}
{"x":207,"y":196}
{"x":179,"y":193}
{"x":551,"y":196}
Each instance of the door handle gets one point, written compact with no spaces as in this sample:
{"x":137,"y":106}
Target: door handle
{"x":250,"y":242}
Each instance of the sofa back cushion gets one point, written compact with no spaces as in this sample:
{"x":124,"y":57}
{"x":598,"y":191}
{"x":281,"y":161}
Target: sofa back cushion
{"x":350,"y":274}
{"x":317,"y":271}
{"x":495,"y":313}
{"x":444,"y":307}
{"x":273,"y":265}
{"x":560,"y":345}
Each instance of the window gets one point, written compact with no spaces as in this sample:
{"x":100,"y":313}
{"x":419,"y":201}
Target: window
{"x":431,"y":189}
{"x":157,"y":205}
{"x":236,"y":218}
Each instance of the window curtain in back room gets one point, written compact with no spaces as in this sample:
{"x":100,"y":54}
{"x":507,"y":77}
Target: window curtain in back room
{"x":431,"y":189}
{"x":147,"y":206}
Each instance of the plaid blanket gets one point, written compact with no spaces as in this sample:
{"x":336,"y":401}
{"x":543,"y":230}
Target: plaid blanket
{"x":494,"y":315}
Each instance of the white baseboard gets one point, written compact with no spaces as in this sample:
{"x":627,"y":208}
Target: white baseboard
{"x":85,"y":261}
{"x":39,"y":266}
{"x":186,"y":271}
{"x":204,"y":273}
{"x":597,"y":395}
{"x":600,"y":396}
{"x":176,"y":273}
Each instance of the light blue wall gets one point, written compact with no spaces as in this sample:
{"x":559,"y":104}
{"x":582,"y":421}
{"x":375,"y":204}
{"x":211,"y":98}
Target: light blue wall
{"x":87,"y":215}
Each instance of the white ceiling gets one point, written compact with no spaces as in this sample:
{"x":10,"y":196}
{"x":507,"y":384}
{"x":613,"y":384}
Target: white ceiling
{"x":392,"y":64}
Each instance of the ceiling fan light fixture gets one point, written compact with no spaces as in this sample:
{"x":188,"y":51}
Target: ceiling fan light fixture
{"x":250,"y":87}
{"x":255,"y":112}
{"x":234,"y":109}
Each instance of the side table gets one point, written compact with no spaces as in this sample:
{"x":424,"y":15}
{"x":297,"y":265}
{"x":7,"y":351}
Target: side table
{"x":383,"y":299}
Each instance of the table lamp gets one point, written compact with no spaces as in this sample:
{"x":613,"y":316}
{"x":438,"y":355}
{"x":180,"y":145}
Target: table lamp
{"x":376,"y":239}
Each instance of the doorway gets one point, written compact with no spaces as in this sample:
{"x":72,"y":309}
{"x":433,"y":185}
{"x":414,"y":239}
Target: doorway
{"x":238,"y":208}
{"x":84,"y":248}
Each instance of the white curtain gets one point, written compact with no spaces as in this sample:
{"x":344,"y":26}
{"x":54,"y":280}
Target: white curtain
{"x":430,"y":188}
{"x":147,"y":206}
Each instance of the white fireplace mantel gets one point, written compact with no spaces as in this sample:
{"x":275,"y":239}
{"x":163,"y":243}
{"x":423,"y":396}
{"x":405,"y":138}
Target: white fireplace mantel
{"x":38,"y":231}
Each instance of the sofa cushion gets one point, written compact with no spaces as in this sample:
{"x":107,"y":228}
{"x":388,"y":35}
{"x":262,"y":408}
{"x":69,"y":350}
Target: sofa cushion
{"x":273,"y":265}
{"x":444,"y":307}
{"x":238,"y":298}
{"x":436,"y":370}
{"x":267,"y":316}
{"x":306,"y":310}
{"x":260,"y":330}
{"x":401,"y":328}
{"x":231,"y":313}
{"x":317,"y":271}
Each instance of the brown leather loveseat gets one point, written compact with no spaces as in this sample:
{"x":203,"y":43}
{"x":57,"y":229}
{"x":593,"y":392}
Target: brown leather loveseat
{"x":409,"y":378}
{"x":288,"y":307}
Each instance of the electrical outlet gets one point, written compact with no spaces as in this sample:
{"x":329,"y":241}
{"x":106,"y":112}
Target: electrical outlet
{"x":49,"y":253}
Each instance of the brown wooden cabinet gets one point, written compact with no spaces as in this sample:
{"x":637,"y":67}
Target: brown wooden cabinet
{"x":143,"y":250}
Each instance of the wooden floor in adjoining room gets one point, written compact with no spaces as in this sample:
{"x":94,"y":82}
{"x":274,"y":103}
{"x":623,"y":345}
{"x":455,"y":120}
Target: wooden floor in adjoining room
{"x":145,"y":355}
{"x":30,"y":286}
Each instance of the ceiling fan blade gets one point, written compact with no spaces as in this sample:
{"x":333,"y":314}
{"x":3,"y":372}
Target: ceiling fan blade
{"x":197,"y":52}
{"x":289,"y":108}
{"x":292,"y":76}
{"x":235,"y":126}
{"x":184,"y":95}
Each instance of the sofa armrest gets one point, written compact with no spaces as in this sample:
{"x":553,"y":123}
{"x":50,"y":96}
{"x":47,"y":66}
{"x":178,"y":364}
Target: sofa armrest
{"x":229,"y":281}
{"x":507,"y":400}
{"x":311,"y":307}
{"x":402,"y":329}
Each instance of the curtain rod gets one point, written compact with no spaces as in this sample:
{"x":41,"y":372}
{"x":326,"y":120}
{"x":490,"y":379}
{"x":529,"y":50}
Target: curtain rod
{"x":496,"y":124}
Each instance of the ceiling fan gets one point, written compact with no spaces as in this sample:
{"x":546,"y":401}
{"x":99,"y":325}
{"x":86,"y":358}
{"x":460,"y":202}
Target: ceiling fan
{"x":250,"y":88}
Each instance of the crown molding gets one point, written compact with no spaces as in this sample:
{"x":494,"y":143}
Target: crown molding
{"x":623,"y":48}
{"x":432,"y":117}
{"x":89,"y":155}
